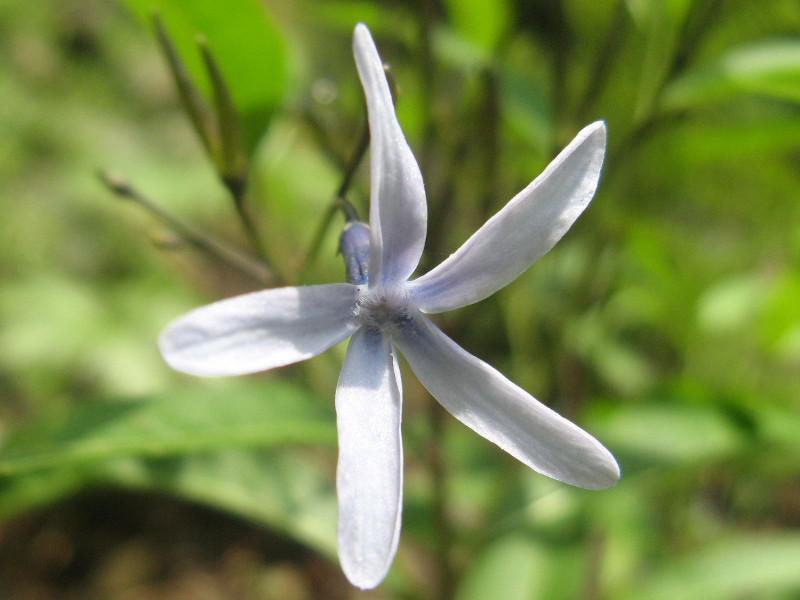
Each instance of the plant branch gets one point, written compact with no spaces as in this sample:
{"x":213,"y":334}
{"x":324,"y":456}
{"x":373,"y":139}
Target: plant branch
{"x":194,"y":237}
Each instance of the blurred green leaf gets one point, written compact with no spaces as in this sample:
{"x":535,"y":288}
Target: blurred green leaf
{"x":780,"y":321}
{"x":733,"y":567}
{"x":482,"y":22}
{"x":769,"y":68}
{"x":246,"y":43}
{"x":32,"y":490}
{"x":661,"y":22}
{"x":286,"y":492}
{"x":617,"y":362}
{"x":525,"y":108}
{"x":731,"y":304}
{"x":272,"y":413}
{"x":513,"y":568}
{"x":780,"y":425}
{"x":668,"y":433}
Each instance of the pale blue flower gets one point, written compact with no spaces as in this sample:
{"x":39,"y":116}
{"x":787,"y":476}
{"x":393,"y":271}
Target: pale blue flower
{"x":384,"y":311}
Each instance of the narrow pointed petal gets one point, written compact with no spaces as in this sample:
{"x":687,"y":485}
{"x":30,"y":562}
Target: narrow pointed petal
{"x":398,"y":210}
{"x":484,"y":400}
{"x":522,"y":232}
{"x":260,"y":331}
{"x":369,"y":476}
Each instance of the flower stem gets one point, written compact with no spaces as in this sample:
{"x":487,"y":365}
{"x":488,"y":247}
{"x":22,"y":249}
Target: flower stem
{"x":194,"y":237}
{"x":339,"y":201}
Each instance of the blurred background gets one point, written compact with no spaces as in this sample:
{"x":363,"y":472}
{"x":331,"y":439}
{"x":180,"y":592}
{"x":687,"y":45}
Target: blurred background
{"x":666,"y":322}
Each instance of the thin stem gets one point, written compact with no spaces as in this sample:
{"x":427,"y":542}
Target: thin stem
{"x":592,"y":581}
{"x":191,"y":99}
{"x":194,"y":237}
{"x":339,"y":201}
{"x":354,"y":162}
{"x":232,"y":161}
{"x":321,"y":137}
{"x":250,"y":231}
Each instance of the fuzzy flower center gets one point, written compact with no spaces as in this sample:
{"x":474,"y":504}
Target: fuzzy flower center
{"x":385,"y":307}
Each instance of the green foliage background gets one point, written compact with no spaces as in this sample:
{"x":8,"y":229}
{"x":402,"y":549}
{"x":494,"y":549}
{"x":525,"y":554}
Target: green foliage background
{"x":667,"y":322}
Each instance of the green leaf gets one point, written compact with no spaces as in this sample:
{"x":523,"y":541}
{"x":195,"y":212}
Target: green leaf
{"x":671,"y":434}
{"x":732,"y":567}
{"x":661,"y":22}
{"x":781,"y":426}
{"x":40,"y":488}
{"x":282,"y":491}
{"x":269,"y":414}
{"x":193,"y":102}
{"x":770,"y":68}
{"x":731,"y":305}
{"x":512,"y":568}
{"x":245,"y":41}
{"x":481,"y":22}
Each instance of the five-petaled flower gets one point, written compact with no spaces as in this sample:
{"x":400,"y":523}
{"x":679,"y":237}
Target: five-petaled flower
{"x":383,"y":311}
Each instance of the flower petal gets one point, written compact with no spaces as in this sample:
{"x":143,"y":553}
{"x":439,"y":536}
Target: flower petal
{"x":260,"y":331}
{"x":369,"y":477}
{"x":398,"y":211}
{"x":484,"y":400}
{"x":524,"y":229}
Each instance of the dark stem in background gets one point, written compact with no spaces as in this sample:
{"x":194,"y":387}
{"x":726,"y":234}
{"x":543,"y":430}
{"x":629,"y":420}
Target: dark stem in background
{"x":322,"y":137}
{"x":602,"y":65}
{"x":592,"y":584}
{"x":194,"y":237}
{"x":561,"y":38}
{"x":700,"y":18}
{"x":490,"y":133}
{"x":697,"y":23}
{"x":427,"y":62}
{"x":436,"y":414}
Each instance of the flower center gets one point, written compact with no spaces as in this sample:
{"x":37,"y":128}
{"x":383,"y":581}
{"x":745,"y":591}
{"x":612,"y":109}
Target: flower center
{"x":384,"y":308}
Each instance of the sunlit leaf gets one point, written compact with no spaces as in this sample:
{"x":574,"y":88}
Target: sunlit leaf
{"x":482,"y":22}
{"x":33,"y":490}
{"x":781,"y":426}
{"x":744,"y":566}
{"x":661,"y":23}
{"x":731,"y":304}
{"x":212,"y":418}
{"x":247,"y":44}
{"x":668,"y":433}
{"x":770,"y":69}
{"x":285,"y":492}
{"x":513,"y":568}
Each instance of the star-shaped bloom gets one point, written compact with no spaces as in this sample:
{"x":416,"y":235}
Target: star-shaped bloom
{"x":381,"y":310}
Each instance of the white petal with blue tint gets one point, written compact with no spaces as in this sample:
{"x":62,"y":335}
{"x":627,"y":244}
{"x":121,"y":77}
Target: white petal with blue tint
{"x":484,"y":400}
{"x":380,"y":307}
{"x":260,"y":331}
{"x":524,"y":229}
{"x":398,"y":210}
{"x":369,"y":476}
